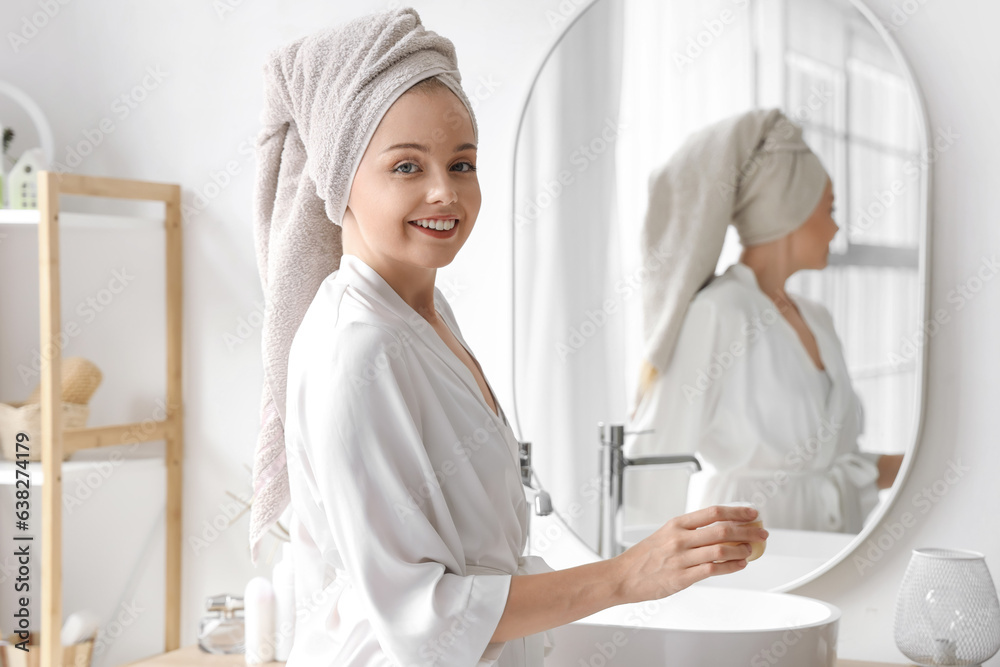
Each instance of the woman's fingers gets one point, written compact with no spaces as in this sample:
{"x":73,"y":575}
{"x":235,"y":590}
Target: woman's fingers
{"x":709,"y":515}
{"x":732,"y":551}
{"x":694,"y":574}
{"x":725,"y":532}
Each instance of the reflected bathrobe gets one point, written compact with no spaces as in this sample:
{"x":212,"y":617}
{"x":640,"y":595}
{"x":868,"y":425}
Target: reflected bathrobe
{"x":742,"y":392}
{"x":409,"y":513}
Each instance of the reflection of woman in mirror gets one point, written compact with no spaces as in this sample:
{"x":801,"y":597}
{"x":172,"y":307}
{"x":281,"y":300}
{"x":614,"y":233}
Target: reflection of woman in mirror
{"x":750,"y":378}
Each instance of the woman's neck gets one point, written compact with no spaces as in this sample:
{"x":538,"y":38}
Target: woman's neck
{"x":413,"y":284}
{"x":771,"y":267}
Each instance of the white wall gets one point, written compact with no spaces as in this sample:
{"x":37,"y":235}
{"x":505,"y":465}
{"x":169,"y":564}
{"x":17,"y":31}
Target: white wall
{"x":953,"y":49}
{"x":202,"y":117}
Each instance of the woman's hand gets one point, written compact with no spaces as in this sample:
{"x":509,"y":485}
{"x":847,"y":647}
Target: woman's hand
{"x":888,"y":468}
{"x":686,"y":550}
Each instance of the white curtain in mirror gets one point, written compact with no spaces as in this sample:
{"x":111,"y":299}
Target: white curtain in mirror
{"x":578,"y":269}
{"x":565,"y":218}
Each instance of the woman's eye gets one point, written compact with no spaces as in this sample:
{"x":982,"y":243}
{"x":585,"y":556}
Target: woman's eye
{"x":399,"y":167}
{"x":403,"y":165}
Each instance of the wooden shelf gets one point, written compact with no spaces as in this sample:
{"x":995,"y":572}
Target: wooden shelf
{"x":193,"y":656}
{"x":69,"y":220}
{"x":7,"y":467}
{"x":57,"y":441}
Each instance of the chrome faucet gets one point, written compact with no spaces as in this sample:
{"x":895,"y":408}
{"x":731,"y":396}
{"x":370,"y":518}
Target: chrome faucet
{"x":613,"y":466}
{"x":543,"y":503}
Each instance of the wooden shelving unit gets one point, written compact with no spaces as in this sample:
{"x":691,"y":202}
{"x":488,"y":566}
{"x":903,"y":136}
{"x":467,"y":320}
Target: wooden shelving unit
{"x":54,"y":439}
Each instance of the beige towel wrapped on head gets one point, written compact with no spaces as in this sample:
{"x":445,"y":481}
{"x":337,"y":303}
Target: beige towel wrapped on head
{"x":752,"y":170}
{"x":324,"y":96}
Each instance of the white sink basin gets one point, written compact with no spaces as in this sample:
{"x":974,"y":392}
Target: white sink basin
{"x":702,"y":626}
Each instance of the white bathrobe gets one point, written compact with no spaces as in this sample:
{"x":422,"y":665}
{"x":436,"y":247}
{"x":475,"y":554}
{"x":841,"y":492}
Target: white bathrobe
{"x":406,"y":488}
{"x":743,"y":393}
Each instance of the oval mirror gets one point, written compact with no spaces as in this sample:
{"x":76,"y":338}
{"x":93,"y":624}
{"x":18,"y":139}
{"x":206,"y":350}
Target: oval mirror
{"x":625,"y":83}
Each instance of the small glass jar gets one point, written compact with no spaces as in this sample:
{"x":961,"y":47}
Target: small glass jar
{"x":222,"y":630}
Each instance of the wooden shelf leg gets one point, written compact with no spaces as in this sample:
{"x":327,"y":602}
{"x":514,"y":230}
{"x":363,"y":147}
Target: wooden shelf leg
{"x":51,"y":402}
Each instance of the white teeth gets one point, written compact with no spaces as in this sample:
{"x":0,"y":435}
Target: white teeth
{"x":440,"y":225}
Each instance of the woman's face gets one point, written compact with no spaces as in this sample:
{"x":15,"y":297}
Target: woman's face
{"x":431,"y":175}
{"x":810,"y":243}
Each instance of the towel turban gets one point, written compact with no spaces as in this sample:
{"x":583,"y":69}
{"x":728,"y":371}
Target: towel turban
{"x":324,"y":96}
{"x":752,"y":170}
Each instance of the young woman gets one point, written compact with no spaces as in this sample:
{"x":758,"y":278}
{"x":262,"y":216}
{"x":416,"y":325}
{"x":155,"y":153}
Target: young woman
{"x":402,"y":468}
{"x":749,"y":377}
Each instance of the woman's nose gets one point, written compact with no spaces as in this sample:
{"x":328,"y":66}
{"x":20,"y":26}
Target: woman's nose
{"x":442,"y":190}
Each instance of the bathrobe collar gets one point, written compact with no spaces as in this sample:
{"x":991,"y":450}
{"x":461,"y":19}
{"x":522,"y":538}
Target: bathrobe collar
{"x":355,"y":271}
{"x":832,"y":401}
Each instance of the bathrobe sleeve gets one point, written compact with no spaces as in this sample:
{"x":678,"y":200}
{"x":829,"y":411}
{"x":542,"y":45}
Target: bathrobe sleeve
{"x":361,"y":425}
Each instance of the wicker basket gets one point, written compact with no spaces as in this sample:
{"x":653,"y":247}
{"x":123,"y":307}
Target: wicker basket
{"x":27,"y":417}
{"x":76,"y":655}
{"x":79,"y":378}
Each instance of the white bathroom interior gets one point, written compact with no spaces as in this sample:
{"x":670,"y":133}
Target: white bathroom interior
{"x":577,"y":101}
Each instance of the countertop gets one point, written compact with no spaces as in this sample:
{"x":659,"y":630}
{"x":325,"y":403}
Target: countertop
{"x":192,"y":656}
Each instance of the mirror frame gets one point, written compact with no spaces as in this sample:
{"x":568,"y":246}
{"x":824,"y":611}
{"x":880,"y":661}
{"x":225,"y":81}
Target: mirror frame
{"x":42,"y":126}
{"x":925,"y":202}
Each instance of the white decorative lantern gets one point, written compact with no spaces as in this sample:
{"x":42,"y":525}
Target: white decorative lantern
{"x":947,"y":612}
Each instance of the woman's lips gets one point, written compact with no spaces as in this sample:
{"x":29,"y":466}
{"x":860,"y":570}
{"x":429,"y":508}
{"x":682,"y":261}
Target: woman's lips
{"x":441,"y":234}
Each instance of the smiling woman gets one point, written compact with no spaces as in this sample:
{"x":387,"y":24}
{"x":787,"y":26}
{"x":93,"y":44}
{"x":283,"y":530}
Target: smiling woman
{"x":401,"y":466}
{"x":416,"y":185}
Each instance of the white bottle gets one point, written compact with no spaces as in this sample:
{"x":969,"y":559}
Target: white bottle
{"x":283,"y":580}
{"x":258,"y":614}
